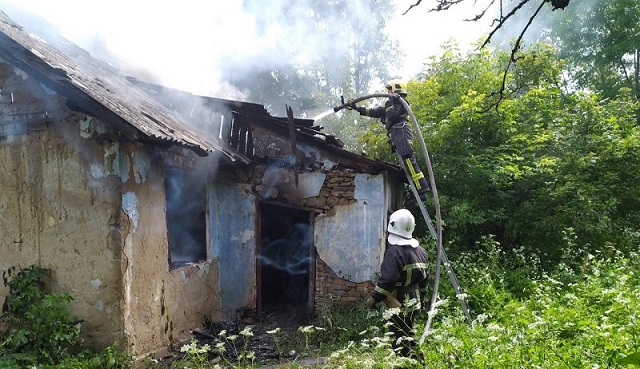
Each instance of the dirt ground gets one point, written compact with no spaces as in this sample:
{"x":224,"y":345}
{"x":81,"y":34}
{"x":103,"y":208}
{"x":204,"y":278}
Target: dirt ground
{"x":263,"y":344}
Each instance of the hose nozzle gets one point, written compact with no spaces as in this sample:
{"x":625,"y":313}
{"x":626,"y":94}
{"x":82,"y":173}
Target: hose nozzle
{"x":340,"y":107}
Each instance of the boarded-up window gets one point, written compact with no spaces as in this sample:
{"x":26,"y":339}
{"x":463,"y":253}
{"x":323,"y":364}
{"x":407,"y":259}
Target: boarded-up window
{"x":186,"y":215}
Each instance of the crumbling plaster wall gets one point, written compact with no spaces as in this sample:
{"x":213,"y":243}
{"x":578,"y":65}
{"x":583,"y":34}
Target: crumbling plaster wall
{"x":55,"y":213}
{"x":93,"y":210}
{"x":351,"y":206}
{"x":162,"y":304}
{"x":331,"y":288}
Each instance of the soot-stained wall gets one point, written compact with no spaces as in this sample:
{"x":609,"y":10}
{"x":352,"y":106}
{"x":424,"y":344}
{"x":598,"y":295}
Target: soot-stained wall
{"x":92,"y":208}
{"x":163,"y":302}
{"x":82,"y":201}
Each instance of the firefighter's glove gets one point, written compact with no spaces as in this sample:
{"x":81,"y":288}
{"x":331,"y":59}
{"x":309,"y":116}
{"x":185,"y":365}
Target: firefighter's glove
{"x":351,"y":105}
{"x":371,"y":303}
{"x":424,"y":303}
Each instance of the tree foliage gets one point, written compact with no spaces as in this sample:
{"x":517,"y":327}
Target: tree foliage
{"x":600,"y":41}
{"x":546,"y":167}
{"x":524,"y":12}
{"x":341,"y":55}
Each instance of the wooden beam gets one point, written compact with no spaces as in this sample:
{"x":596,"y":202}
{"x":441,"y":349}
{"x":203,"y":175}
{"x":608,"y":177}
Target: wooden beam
{"x":292,"y":137}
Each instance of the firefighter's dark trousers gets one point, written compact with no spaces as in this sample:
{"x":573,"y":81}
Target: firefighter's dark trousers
{"x":401,"y":137}
{"x":403,"y":333}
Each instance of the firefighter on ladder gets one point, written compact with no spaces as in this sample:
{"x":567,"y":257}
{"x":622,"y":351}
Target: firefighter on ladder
{"x":403,"y":282}
{"x":395,"y":119}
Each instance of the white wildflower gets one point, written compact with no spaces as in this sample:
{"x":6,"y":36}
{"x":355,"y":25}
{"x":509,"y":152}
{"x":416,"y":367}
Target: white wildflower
{"x":220,"y":347}
{"x":247,"y":332}
{"x":443,"y":302}
{"x":189,"y":347}
{"x":480,"y":318}
{"x":306,"y":329}
{"x":390,"y":312}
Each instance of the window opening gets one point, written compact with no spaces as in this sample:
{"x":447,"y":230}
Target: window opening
{"x":186,"y":216}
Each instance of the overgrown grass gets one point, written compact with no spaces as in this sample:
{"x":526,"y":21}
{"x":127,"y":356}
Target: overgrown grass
{"x":582,"y":313}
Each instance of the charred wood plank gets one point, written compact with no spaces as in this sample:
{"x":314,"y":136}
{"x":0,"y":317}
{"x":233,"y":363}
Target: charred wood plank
{"x":292,"y":137}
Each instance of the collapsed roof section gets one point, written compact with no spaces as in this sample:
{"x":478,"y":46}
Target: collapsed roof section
{"x":234,"y":121}
{"x":153,"y":114}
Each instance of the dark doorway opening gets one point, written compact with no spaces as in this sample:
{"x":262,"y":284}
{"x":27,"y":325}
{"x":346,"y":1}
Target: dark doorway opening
{"x":285,"y":258}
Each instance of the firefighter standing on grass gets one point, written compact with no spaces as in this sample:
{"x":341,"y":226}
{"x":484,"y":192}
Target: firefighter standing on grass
{"x":403,"y":282}
{"x":395,"y":119}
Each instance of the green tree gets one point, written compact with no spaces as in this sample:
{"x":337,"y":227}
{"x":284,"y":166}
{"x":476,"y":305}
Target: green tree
{"x":334,"y":49}
{"x":590,"y":188}
{"x":546,"y":167}
{"x":600,"y":41}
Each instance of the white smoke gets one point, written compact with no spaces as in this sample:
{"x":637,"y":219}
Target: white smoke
{"x":182,"y":44}
{"x":185,"y":44}
{"x":191,"y":45}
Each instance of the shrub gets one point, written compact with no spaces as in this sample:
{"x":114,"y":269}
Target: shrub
{"x":39,"y":333}
{"x":38,"y":324}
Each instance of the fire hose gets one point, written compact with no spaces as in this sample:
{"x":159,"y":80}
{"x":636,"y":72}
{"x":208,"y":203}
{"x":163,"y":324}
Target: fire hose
{"x":441,"y":257}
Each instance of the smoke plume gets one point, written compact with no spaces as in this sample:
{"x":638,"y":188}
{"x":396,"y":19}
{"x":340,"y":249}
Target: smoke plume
{"x":190,"y":45}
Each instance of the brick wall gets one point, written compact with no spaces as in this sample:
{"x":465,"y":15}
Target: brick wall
{"x":330,"y":288}
{"x":337,"y":189}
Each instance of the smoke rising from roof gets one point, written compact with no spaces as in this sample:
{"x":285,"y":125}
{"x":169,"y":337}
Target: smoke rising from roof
{"x":189,"y":45}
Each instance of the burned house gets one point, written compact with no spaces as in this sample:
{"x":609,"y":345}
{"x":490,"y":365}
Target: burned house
{"x":158,"y":210}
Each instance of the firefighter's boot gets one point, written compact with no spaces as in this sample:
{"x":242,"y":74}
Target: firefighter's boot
{"x":417,"y":177}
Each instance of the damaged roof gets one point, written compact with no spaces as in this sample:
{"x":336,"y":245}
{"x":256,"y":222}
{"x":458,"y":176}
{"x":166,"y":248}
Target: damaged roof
{"x":238,"y":116}
{"x":96,"y":87}
{"x":150,"y":113}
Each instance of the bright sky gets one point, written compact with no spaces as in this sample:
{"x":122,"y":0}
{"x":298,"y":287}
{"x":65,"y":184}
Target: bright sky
{"x":422,"y":33}
{"x":146,"y":30}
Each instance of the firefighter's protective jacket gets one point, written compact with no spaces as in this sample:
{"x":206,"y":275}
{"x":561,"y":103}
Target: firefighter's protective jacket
{"x":404,"y":273}
{"x":395,"y":117}
{"x":391,"y":114}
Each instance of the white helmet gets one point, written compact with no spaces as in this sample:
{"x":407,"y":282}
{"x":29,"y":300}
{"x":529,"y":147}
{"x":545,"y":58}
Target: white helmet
{"x":401,"y":226}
